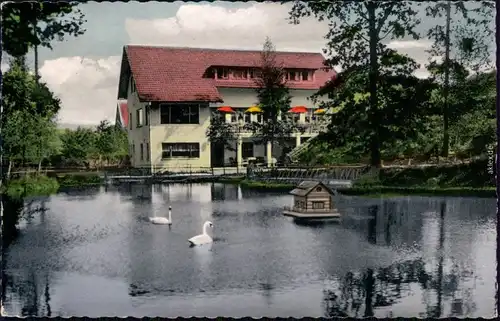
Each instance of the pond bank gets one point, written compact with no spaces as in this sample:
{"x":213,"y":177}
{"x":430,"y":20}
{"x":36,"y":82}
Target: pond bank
{"x":382,"y":190}
{"x":459,"y":180}
{"x":37,"y":185}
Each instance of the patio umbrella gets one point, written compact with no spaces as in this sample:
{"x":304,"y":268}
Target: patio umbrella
{"x":298,"y":110}
{"x":319,"y":111}
{"x":226,"y":109}
{"x":253,"y":109}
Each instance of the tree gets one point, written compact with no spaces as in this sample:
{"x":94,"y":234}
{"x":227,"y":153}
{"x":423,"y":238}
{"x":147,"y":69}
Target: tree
{"x":29,"y":109}
{"x":29,"y":24}
{"x":274,"y":99}
{"x":403,"y":105}
{"x":78,"y":146}
{"x":355,"y":40}
{"x":468,"y":38}
{"x":221,"y":132}
{"x":21,"y":92}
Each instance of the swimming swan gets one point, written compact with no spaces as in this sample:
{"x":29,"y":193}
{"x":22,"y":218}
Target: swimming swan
{"x":162,"y":220}
{"x":203,"y":238}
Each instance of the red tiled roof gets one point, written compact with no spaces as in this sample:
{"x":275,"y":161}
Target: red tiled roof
{"x":176,"y":74}
{"x":123,"y":113}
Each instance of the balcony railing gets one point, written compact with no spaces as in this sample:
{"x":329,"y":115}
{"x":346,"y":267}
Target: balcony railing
{"x":303,"y":210}
{"x":309,"y":128}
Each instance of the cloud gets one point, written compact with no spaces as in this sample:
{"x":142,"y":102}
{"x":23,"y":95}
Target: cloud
{"x":211,"y":26}
{"x":87,"y":87}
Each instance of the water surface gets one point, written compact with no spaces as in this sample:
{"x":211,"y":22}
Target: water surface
{"x":94,"y":253}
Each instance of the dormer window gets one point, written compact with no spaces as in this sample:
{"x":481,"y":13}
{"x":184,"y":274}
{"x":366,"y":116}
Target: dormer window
{"x":240,"y":73}
{"x":222,"y":73}
{"x":291,"y":75}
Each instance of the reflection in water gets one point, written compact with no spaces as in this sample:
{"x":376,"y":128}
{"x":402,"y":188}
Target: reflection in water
{"x":408,"y":256}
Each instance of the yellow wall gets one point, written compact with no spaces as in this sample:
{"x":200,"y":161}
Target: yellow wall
{"x":183,"y":133}
{"x":136,"y":135}
{"x":155,"y":134}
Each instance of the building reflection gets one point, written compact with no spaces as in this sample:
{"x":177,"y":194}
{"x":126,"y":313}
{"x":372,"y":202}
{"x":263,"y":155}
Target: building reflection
{"x":226,"y":192}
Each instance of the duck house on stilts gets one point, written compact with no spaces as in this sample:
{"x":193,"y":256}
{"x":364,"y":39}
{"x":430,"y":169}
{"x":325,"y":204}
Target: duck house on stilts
{"x":312,"y":201}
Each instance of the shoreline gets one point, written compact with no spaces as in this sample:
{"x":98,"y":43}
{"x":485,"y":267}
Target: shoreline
{"x":483,"y":192}
{"x":69,"y":181}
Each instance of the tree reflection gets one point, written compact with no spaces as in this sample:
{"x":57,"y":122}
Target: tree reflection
{"x":359,"y":295}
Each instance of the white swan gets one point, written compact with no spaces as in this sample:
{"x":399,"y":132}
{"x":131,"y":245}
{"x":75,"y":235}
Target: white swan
{"x":162,"y":220}
{"x":203,"y":238}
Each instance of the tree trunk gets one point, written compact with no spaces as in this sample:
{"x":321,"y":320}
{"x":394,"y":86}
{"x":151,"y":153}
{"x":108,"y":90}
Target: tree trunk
{"x":446,"y":134}
{"x":9,"y":169}
{"x":374,"y":119}
{"x":40,"y":166}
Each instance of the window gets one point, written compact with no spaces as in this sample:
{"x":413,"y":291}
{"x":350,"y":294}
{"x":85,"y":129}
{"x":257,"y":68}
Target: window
{"x":305,"y":76}
{"x":318,"y":205}
{"x":290,"y":75}
{"x":233,"y":118}
{"x":259,"y":118}
{"x":248,"y":117}
{"x":247,"y":149}
{"x":147,"y":152}
{"x":130,"y":120}
{"x":142,"y":152}
{"x":132,"y":85}
{"x":133,"y":150}
{"x":139,"y":117}
{"x":251,"y":73}
{"x":180,"y":114}
{"x":240,"y":74}
{"x":222,"y":73}
{"x":184,"y":150}
{"x":146,"y":116}
{"x":318,"y":189}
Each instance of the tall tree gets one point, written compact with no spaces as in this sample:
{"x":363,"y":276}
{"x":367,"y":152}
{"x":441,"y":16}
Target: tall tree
{"x":273,"y":98}
{"x":403,"y":105}
{"x":29,"y":24}
{"x":462,"y":39}
{"x":358,"y":31}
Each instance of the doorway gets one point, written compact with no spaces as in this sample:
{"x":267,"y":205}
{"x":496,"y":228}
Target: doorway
{"x":217,"y":154}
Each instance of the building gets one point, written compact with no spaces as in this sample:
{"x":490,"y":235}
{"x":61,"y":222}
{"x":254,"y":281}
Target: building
{"x":172,"y":93}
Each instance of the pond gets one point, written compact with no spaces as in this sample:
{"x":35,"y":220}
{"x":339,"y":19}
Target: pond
{"x":94,"y":253}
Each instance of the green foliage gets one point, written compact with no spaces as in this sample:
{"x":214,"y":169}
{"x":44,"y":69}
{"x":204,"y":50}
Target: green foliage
{"x":473,"y":175}
{"x":87,"y":147}
{"x":463,"y":39}
{"x":20,"y":91}
{"x":221,"y":132}
{"x":356,"y":35}
{"x":71,"y":180}
{"x":273,"y":98}
{"x":31,"y":186}
{"x":29,"y":24}
{"x":78,"y":146}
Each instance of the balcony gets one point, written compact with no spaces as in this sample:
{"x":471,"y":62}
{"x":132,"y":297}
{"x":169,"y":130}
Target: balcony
{"x":309,"y":128}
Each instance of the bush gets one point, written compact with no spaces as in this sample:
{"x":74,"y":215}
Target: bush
{"x":80,"y":179}
{"x":31,"y":186}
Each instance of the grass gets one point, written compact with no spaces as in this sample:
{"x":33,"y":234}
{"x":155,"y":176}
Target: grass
{"x":377,"y":190}
{"x":459,"y":180}
{"x":79,"y":179}
{"x":35,"y":185}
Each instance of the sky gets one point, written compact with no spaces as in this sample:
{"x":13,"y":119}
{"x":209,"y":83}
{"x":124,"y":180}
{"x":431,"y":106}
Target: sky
{"x":83,"y":72}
